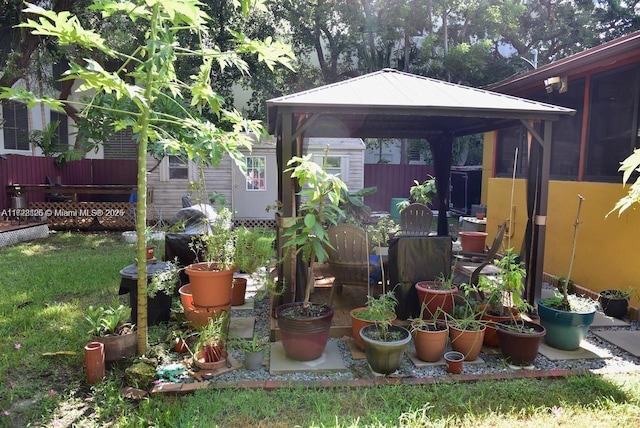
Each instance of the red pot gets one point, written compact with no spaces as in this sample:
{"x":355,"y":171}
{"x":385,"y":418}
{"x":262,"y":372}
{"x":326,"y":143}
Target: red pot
{"x":433,"y":297}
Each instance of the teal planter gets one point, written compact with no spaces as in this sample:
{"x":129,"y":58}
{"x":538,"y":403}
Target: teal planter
{"x":395,"y":211}
{"x":565,"y":330}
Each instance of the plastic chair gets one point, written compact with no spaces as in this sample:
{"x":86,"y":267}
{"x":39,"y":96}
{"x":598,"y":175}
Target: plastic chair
{"x":415,"y":220}
{"x":348,"y":259}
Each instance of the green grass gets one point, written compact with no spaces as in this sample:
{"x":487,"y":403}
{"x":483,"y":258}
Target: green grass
{"x":46,"y":285}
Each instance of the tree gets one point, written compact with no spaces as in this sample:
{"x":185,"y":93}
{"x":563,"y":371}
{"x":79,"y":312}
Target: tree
{"x":147,"y":80}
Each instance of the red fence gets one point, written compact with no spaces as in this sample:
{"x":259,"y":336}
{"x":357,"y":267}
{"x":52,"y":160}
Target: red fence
{"x":392,"y":181}
{"x":17,"y":169}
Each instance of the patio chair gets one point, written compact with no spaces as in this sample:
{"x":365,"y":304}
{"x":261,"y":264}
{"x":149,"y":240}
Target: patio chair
{"x":469,"y":266}
{"x":348,"y":259}
{"x":415,"y":220}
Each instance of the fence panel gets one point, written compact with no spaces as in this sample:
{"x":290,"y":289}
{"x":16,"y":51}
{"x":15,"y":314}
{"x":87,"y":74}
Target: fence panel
{"x":392,"y":181}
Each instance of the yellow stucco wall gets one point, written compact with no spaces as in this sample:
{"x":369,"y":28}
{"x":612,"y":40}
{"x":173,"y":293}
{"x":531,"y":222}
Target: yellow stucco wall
{"x":607,"y":248}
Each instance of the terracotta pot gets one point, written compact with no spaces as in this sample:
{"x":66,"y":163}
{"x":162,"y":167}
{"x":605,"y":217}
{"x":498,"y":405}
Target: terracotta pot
{"x":480,"y":215}
{"x":180,"y":345}
{"x":433,"y":297}
{"x":94,"y":362}
{"x":358,"y":323}
{"x":430,"y":344}
{"x":473,"y":242}
{"x":304,"y":338}
{"x":238,"y":290}
{"x":210,"y":288}
{"x":118,"y":347}
{"x":454,"y":361}
{"x":200,"y":362}
{"x":198,"y":317}
{"x":468,"y":342}
{"x":491,"y":335}
{"x":150,"y":252}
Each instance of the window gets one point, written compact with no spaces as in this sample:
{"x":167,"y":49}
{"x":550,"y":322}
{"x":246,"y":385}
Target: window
{"x":613,"y":122}
{"x":15,"y":126}
{"x":62,"y":131}
{"x":178,"y":169}
{"x":335,"y":165}
{"x":256,"y":173}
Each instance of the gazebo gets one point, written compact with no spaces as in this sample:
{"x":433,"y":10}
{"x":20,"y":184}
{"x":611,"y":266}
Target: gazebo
{"x":394,"y":104}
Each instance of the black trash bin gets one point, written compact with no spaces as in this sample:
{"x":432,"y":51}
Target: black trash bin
{"x":158,"y":307}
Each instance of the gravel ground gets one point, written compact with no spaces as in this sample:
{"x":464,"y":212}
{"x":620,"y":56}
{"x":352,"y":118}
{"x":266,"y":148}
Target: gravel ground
{"x":620,"y":362}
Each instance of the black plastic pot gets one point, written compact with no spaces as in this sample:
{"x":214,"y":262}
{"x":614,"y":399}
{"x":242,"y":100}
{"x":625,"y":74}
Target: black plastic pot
{"x":616,"y":307}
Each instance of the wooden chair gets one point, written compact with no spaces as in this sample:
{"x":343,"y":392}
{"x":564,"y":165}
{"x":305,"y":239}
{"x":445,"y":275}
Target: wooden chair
{"x":415,"y":220}
{"x":349,"y":258}
{"x":468,"y":269}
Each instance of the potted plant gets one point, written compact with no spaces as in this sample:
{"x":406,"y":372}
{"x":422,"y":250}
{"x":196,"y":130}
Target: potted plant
{"x":254,"y":249}
{"x":567,"y":317}
{"x":614,"y":302}
{"x":380,"y":233}
{"x":110,"y":325}
{"x":429,"y":337}
{"x":376,"y":310}
{"x":211,"y":352}
{"x":384,"y":343}
{"x":466,"y":328}
{"x":436,"y":296}
{"x":502,"y":295}
{"x":211,"y":277}
{"x":421,"y":193}
{"x":305,"y":326}
{"x":253,"y":349}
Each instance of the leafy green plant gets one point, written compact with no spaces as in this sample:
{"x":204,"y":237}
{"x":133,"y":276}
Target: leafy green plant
{"x":320,"y":195}
{"x":213,"y":338}
{"x":253,"y":249}
{"x":379,"y":233}
{"x":255,"y":344}
{"x":381,"y":311}
{"x":507,"y":289}
{"x":628,"y":166}
{"x":353,"y":206}
{"x":217,"y":245}
{"x":166,"y":280}
{"x":422,"y":193}
{"x":616,"y":294}
{"x":466,"y":311}
{"x":110,"y":320}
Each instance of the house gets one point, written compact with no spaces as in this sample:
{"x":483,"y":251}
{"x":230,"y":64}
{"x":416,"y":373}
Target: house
{"x":603,"y":85}
{"x":252,"y":195}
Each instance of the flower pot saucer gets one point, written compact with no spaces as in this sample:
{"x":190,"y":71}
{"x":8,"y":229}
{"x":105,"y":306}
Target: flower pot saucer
{"x":149,"y":261}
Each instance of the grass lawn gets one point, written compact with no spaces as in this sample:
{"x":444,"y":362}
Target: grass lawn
{"x":46,"y":286}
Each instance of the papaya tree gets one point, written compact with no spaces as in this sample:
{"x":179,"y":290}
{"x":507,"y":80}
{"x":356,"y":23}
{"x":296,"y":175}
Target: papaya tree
{"x":146,"y":79}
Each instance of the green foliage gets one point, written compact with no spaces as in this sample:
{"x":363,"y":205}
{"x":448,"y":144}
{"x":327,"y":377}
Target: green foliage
{"x":166,"y":280}
{"x":508,"y":285}
{"x":253,"y":249}
{"x":353,"y":206}
{"x":380,"y":232}
{"x":217,"y":245}
{"x":629,"y":166}
{"x":380,"y":310}
{"x":255,"y":344}
{"x":104,"y":321}
{"x":321,"y":196}
{"x":421,"y":193}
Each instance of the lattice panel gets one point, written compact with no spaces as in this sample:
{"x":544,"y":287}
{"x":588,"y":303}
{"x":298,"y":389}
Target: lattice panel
{"x":85,"y":215}
{"x":252,"y":223}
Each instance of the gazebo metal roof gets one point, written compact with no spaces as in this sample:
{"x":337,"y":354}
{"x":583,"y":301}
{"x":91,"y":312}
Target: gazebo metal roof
{"x":394,"y":104}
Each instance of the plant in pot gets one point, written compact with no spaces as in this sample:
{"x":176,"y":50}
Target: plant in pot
{"x":254,"y":249}
{"x":377,"y":309}
{"x":614,"y":303}
{"x":429,"y":337}
{"x":422,"y":193}
{"x":437,"y":296}
{"x":110,"y":325}
{"x":253,"y":349}
{"x":211,"y":351}
{"x":305,"y":326}
{"x":502,"y":295}
{"x":384,"y":343}
{"x":466,"y":327}
{"x":381,"y":232}
{"x":567,"y":317}
{"x":211,"y":277}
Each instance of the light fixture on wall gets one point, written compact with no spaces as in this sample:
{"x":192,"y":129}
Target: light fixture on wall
{"x":556,"y":83}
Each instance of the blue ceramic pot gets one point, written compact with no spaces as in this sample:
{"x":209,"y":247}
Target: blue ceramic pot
{"x":565,"y":330}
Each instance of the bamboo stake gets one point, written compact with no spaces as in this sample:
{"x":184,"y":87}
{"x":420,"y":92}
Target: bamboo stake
{"x":513,"y":185}
{"x":573,"y":251}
